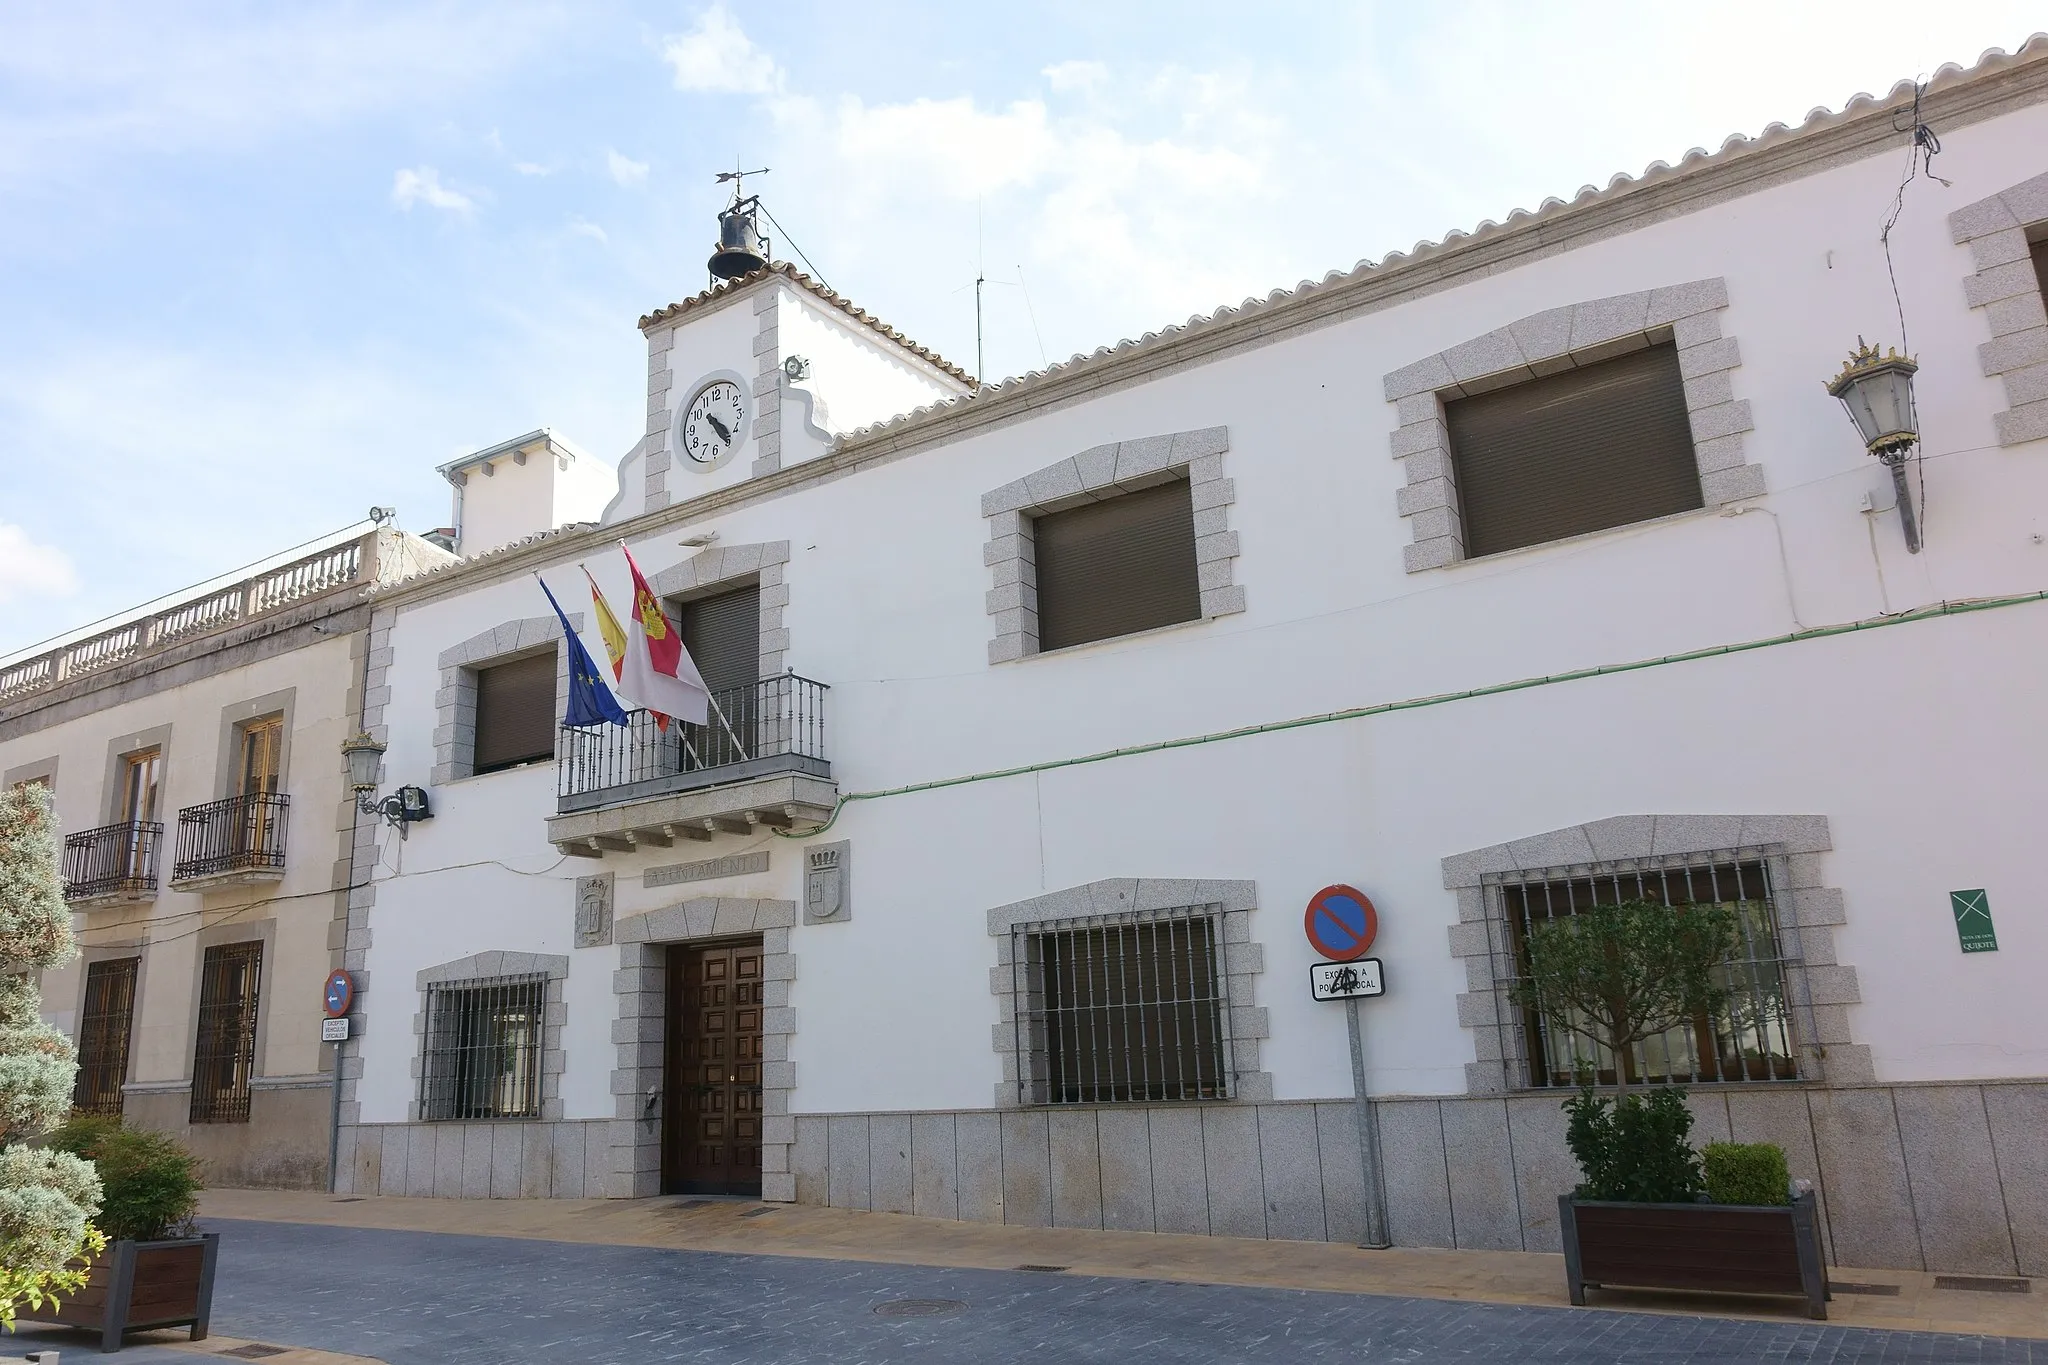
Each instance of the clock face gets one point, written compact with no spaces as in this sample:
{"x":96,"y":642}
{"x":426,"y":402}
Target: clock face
{"x":713,"y":424}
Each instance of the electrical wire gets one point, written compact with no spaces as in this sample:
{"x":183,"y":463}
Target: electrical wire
{"x":1920,"y":155}
{"x":816,"y":273}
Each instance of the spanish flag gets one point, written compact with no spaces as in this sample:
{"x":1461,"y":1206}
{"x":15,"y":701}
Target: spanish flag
{"x":659,"y":674}
{"x":608,"y":626}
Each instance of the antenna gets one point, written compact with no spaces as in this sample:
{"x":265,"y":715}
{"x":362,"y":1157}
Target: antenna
{"x":979,"y":276}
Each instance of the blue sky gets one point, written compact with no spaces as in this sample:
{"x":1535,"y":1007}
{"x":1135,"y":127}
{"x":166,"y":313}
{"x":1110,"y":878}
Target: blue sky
{"x":262,"y":266}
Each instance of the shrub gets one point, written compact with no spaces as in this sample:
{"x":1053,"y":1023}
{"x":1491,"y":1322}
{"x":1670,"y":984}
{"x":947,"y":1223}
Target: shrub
{"x":1634,"y":1147}
{"x":151,"y":1182}
{"x":1747,"y":1173}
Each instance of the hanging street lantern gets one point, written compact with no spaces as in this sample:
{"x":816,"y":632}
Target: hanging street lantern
{"x":365,"y":755}
{"x":1878,"y":392}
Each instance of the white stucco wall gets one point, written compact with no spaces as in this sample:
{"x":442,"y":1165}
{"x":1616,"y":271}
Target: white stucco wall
{"x":861,"y":377}
{"x":1919,"y":742}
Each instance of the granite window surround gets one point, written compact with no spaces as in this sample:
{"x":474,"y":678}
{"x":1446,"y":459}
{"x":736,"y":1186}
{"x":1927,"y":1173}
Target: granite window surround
{"x":640,"y":1028}
{"x":234,"y":720}
{"x":716,"y":567}
{"x":1231,"y":903}
{"x":484,"y":969}
{"x":1550,"y":342}
{"x":1821,"y":990}
{"x":1095,"y":474}
{"x":43,"y":770}
{"x":2000,"y":231}
{"x":455,"y":702}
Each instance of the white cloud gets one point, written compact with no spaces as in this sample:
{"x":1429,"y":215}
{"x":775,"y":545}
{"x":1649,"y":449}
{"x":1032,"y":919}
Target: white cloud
{"x":629,"y":173}
{"x":423,"y":186}
{"x":716,"y":57}
{"x":29,"y":570}
{"x":579,"y":227}
{"x":532,"y":168}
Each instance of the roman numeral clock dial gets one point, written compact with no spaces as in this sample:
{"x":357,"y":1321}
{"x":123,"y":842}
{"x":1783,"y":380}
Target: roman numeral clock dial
{"x":713,"y":425}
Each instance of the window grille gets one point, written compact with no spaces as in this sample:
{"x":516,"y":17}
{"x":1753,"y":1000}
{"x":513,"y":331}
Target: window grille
{"x":224,"y":1055}
{"x":483,"y":1049}
{"x":1749,"y":1039}
{"x":1122,"y":1009}
{"x":104,"y":1027}
{"x":1598,"y":446}
{"x":1124,"y":564}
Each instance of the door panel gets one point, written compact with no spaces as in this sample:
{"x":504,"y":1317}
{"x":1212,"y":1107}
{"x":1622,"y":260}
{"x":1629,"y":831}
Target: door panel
{"x":711,"y":1114}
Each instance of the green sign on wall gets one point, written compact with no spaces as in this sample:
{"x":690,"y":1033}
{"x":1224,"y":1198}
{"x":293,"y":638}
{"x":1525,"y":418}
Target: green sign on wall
{"x":1973,"y":921}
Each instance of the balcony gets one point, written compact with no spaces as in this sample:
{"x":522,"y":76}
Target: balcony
{"x":239,"y":839}
{"x":112,"y":863}
{"x":760,"y":761}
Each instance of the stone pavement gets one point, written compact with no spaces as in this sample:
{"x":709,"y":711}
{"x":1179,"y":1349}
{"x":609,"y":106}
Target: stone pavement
{"x":800,"y":1230}
{"x":406,"y":1297}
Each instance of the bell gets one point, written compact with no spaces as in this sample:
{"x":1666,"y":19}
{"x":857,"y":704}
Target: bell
{"x":740,"y":249}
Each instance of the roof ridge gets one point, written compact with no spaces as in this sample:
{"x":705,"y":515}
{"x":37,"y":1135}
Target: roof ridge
{"x":820,"y":290}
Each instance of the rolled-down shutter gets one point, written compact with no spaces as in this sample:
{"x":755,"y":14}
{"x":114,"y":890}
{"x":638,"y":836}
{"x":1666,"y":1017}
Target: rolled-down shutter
{"x":1599,"y":446}
{"x":1113,"y":567}
{"x":723,"y":635}
{"x":515,"y":712}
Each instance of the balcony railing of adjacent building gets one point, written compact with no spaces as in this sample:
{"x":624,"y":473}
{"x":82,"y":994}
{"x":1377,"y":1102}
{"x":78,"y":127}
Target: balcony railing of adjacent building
{"x":238,"y":834}
{"x":113,"y":860}
{"x":774,"y":726}
{"x":352,"y":564}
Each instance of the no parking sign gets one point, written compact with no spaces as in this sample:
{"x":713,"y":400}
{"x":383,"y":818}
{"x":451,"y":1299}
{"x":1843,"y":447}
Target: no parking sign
{"x":1341,"y":923}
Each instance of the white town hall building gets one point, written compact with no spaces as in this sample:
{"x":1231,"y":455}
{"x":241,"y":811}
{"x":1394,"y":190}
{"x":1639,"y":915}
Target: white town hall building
{"x":1529,"y":565}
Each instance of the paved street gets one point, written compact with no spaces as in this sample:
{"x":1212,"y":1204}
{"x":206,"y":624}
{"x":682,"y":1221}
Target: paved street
{"x":407,"y":1297}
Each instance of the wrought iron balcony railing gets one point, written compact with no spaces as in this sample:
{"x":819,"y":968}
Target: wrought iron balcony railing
{"x":113,"y":860}
{"x":238,"y":834}
{"x":775,"y":725}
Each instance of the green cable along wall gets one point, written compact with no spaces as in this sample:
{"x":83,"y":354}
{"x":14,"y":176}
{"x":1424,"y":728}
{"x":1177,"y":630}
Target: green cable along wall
{"x":1937,"y":612}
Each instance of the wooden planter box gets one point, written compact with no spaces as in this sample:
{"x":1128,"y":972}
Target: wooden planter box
{"x":138,"y":1285}
{"x":1730,"y":1248}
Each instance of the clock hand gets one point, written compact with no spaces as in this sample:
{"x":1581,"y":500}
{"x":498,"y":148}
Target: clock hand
{"x":719,"y":427}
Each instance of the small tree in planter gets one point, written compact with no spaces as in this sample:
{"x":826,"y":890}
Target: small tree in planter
{"x":160,"y":1270}
{"x":1620,"y":975}
{"x":46,"y":1197}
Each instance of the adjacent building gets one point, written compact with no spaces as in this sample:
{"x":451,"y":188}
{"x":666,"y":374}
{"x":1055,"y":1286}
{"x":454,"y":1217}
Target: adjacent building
{"x":1527,"y":570}
{"x":192,"y":753}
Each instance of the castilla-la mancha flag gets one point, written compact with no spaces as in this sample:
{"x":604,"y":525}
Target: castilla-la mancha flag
{"x":659,"y":673}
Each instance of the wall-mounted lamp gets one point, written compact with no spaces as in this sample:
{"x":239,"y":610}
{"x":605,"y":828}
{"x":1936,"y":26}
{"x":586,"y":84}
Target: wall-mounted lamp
{"x":1878,"y":392}
{"x":400,"y":809}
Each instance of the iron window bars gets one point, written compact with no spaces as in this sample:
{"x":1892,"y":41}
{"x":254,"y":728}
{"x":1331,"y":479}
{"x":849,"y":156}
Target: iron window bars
{"x":777,"y":716}
{"x":113,"y":860}
{"x":483,"y":1049}
{"x":1121,"y":1009}
{"x":224,"y":1054}
{"x":104,"y":1027}
{"x":1750,"y":1039}
{"x":235,"y":834}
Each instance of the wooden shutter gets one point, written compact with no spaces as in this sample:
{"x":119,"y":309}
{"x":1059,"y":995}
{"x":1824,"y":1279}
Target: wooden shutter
{"x":1120,"y":565}
{"x":515,"y":712}
{"x":723,"y":634}
{"x":1599,"y":446}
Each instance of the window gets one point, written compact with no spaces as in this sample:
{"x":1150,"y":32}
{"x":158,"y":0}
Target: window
{"x":104,"y":1028}
{"x":1599,"y":446}
{"x":1123,"y":564}
{"x":224,"y":1056}
{"x":1750,"y":1040}
{"x":141,"y":775}
{"x":723,"y":635}
{"x":1123,"y":1010}
{"x":2038,"y":249}
{"x":483,"y":1049}
{"x":515,"y":713}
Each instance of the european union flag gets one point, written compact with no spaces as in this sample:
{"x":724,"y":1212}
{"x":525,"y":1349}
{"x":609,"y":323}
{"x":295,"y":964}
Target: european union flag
{"x":590,"y":701}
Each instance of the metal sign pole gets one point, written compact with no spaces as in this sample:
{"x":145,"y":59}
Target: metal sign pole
{"x":1375,"y":1192}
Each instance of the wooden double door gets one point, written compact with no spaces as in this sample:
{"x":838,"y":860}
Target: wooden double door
{"x":711,"y":1109}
